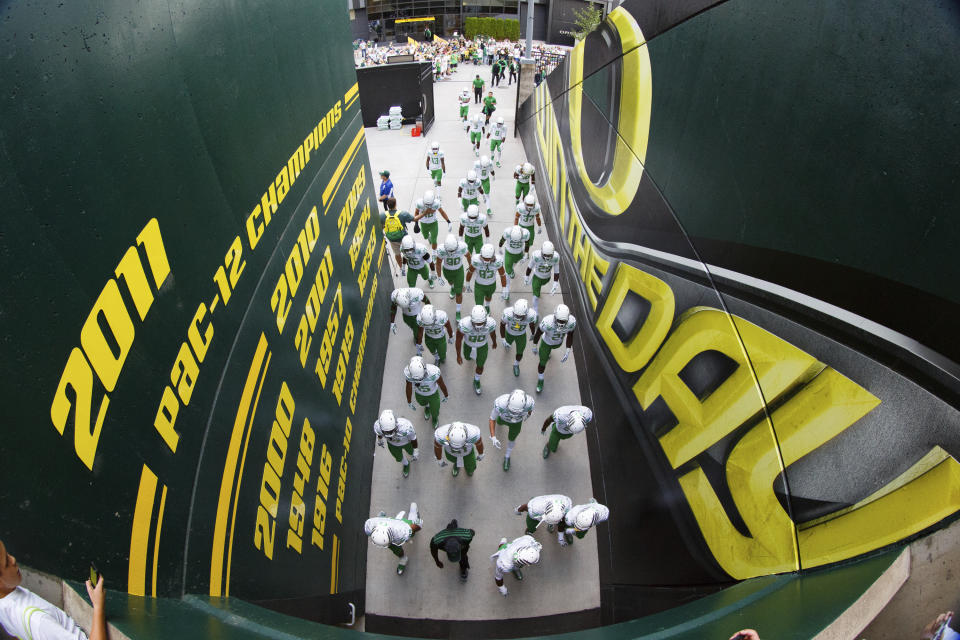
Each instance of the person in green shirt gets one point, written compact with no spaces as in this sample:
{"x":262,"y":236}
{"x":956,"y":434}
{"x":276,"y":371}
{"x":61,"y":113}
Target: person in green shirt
{"x":489,"y":106}
{"x":477,"y":89}
{"x":455,"y":541}
{"x":395,"y":226}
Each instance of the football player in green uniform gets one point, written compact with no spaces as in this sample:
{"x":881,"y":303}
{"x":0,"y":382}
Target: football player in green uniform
{"x":432,"y":323}
{"x":544,"y":262}
{"x":400,"y":437}
{"x":515,"y":238}
{"x":523,"y":174}
{"x":510,"y":410}
{"x":470,"y":190}
{"x":552,"y":329}
{"x":424,"y":382}
{"x":476,"y":133}
{"x":514,"y":324}
{"x":486,"y":265}
{"x":473,"y":228}
{"x":450,"y":264}
{"x":484,"y":169}
{"x":496,"y":136}
{"x":436,"y":164}
{"x":461,"y":444}
{"x":409,"y":300}
{"x":416,"y":262}
{"x":426,"y":214}
{"x":474,"y":334}
{"x":527,"y":212}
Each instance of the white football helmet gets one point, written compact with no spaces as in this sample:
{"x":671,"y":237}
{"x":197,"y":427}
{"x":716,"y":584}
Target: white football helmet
{"x":478,"y":315}
{"x":477,"y":119}
{"x":516,"y":234}
{"x":499,"y":120}
{"x":417,"y":369}
{"x":406,"y":244}
{"x":403,"y":298}
{"x":435,"y":146}
{"x":429,"y":197}
{"x":457,"y":436}
{"x":553,"y":513}
{"x":380,"y":536}
{"x":561,"y":314}
{"x":471,"y":176}
{"x":546,"y":251}
{"x":530,"y":201}
{"x":528,"y":168}
{"x":473,"y":212}
{"x":527,"y":555}
{"x":388,"y":422}
{"x":450,"y":242}
{"x":585,"y":519}
{"x":520,"y":308}
{"x":486,"y":252}
{"x":427,"y":315}
{"x":517,"y":401}
{"x":485,"y":161}
{"x":577,"y":423}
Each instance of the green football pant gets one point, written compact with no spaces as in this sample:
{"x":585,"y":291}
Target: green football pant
{"x":397,"y":452}
{"x":538,"y":282}
{"x":423,"y":272}
{"x":411,"y":321}
{"x":523,"y":188}
{"x":469,"y":462}
{"x":455,"y":278}
{"x":556,"y":437}
{"x":510,"y":259}
{"x":520,"y":342}
{"x":437,"y":346}
{"x":483,"y":291}
{"x":513,"y":428}
{"x":430,"y":231}
{"x":432,"y":403}
{"x":474,"y":243}
{"x":476,"y":353}
{"x":532,"y":231}
{"x":545,"y":350}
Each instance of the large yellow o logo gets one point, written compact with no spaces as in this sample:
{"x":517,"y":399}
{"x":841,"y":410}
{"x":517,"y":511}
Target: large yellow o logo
{"x":616,"y":193}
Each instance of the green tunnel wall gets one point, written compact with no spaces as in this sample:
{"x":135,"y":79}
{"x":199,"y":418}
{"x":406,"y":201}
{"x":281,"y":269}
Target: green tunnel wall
{"x":191,"y":262}
{"x":754,"y":202}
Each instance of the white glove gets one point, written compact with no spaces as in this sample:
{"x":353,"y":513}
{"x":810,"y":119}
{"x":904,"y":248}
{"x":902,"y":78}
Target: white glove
{"x":380,"y":443}
{"x":467,"y":287}
{"x":479,"y":457}
{"x":526,"y":279}
{"x":393,"y":328}
{"x":443,"y":283}
{"x":495,"y":442}
{"x":449,"y":339}
{"x":443,"y":399}
{"x":534,"y":349}
{"x":419,"y":349}
{"x":441,"y":462}
{"x":403,"y":269}
{"x":416,"y":454}
{"x":516,"y":511}
{"x":504,"y":343}
{"x":562,"y":539}
{"x":449,"y":226}
{"x":506,"y":294}
{"x":503,"y":590}
{"x":413,"y":405}
{"x":554,"y":287}
{"x":566,"y":354}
